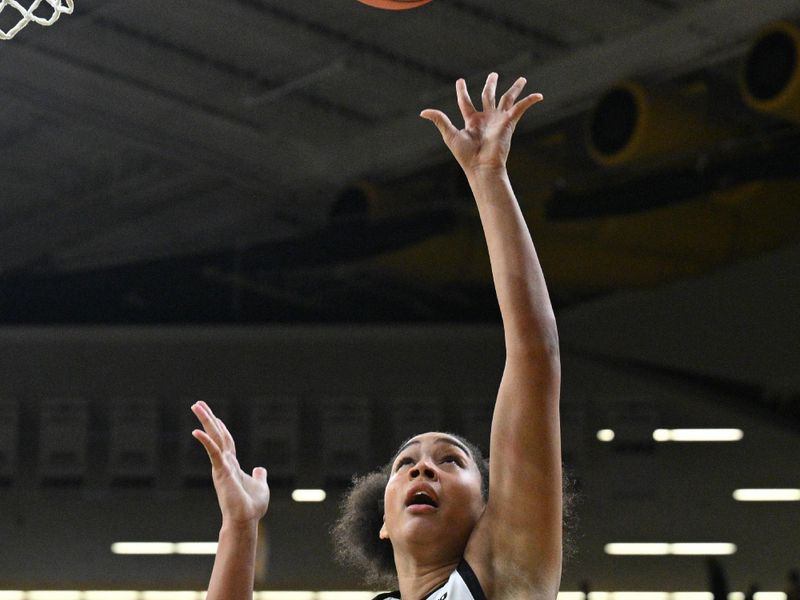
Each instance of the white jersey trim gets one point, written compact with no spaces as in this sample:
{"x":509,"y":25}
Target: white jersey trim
{"x":462,"y":584}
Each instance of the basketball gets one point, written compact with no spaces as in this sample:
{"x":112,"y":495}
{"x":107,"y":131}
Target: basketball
{"x":394,"y":4}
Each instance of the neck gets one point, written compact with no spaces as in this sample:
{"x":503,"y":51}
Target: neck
{"x":419,"y":575}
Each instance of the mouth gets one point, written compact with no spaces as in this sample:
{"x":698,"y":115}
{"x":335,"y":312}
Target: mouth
{"x":422,"y":499}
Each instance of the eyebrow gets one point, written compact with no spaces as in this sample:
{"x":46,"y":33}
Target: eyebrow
{"x":438,"y":440}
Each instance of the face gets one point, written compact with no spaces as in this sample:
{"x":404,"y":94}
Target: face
{"x":433,"y":494}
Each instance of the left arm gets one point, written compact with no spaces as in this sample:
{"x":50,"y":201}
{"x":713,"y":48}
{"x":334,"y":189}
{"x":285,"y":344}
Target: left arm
{"x":243,"y":500}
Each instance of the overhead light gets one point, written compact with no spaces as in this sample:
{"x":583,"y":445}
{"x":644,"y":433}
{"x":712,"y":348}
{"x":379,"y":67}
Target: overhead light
{"x":308,"y":495}
{"x":644,"y":596}
{"x":637,"y":596}
{"x":698,"y":435}
{"x":767,"y":495}
{"x":605,"y":435}
{"x":54,"y":595}
{"x":169,"y":595}
{"x":663,"y":596}
{"x":703,"y":549}
{"x":299,"y":595}
{"x":665,"y":549}
{"x":142,"y":548}
{"x":345,"y":595}
{"x":111,"y":595}
{"x":653,"y":549}
{"x":196,"y":548}
{"x":164,"y":548}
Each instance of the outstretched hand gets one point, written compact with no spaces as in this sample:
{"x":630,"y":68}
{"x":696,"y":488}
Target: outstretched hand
{"x":486,"y":138}
{"x":242,"y":498}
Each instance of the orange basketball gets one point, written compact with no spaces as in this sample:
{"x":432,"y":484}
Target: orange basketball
{"x":394,"y":4}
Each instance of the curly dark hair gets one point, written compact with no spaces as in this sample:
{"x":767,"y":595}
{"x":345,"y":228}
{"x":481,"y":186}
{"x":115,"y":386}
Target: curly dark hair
{"x":355,"y":533}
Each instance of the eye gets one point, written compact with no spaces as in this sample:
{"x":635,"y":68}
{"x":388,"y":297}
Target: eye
{"x":452,"y":458}
{"x":406,"y":460}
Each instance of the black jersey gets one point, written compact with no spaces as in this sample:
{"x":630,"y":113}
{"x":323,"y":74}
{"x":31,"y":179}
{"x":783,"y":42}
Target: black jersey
{"x":461,"y":585}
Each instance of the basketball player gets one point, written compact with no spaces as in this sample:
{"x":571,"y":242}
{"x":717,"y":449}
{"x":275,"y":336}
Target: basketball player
{"x":440,"y":530}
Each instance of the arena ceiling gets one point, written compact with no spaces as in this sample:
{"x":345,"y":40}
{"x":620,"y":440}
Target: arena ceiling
{"x":191,"y":161}
{"x":134,"y":131}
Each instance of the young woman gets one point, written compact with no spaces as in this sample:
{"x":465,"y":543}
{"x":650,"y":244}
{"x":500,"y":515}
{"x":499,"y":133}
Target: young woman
{"x":446,"y":534}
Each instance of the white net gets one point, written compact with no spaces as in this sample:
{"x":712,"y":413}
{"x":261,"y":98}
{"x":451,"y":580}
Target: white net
{"x":32,"y":13}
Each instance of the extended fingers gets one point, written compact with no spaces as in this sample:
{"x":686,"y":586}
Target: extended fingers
{"x":213,"y":426}
{"x":507,"y":100}
{"x":260,"y":474}
{"x":489,"y":91}
{"x":520,"y":107}
{"x":442,"y":122}
{"x":464,"y":101}
{"x":227,"y":438}
{"x":214,"y":453}
{"x":207,"y":419}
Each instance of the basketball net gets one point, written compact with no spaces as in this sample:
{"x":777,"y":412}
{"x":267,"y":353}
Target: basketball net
{"x":26,"y":14}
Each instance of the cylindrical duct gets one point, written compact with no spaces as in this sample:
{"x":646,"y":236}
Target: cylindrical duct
{"x":358,"y":200}
{"x":632,"y":123}
{"x":770,"y":79}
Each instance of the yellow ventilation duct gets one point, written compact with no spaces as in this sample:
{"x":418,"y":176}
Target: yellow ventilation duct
{"x":604,"y":253}
{"x":670,"y":242}
{"x":456,"y":254}
{"x":632,"y":123}
{"x":770,"y":78}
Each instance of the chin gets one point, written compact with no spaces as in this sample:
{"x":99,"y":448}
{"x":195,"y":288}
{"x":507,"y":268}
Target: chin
{"x":434,"y":532}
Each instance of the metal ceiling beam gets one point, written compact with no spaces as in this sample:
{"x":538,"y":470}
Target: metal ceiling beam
{"x":33,"y":241}
{"x":270,"y":88}
{"x":357,"y":46}
{"x":242,"y":229}
{"x":195,"y":137}
{"x":693,"y":39}
{"x":479,"y":10}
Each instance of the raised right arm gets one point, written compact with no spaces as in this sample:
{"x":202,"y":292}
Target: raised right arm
{"x":516,"y":547}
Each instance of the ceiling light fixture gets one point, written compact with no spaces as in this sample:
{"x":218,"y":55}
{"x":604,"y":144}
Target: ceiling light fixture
{"x":605,"y":435}
{"x":698,"y":435}
{"x":767,"y":495}
{"x":164,"y":548}
{"x":308,"y":495}
{"x":196,"y":548}
{"x":666,"y":549}
{"x":142,"y":547}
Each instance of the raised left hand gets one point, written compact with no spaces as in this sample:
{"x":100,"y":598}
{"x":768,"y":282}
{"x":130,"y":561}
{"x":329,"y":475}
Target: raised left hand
{"x":243,"y":498}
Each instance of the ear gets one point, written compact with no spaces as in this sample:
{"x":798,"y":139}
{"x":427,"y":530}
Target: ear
{"x":384,"y":533}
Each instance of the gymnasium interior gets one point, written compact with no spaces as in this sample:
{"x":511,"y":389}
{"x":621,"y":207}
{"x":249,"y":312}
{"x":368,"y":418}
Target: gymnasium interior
{"x":237,"y":202}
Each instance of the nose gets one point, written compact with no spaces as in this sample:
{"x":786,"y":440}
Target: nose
{"x":422,"y":469}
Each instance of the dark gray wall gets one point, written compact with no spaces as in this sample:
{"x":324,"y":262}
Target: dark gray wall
{"x":61,"y":535}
